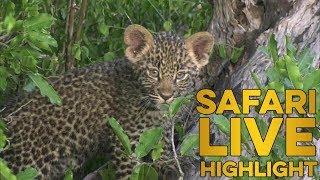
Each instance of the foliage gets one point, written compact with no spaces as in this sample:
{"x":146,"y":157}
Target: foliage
{"x":292,"y":70}
{"x":147,"y":141}
{"x":26,"y":47}
{"x":27,"y":174}
{"x":34,"y":39}
{"x":235,"y":52}
{"x":175,"y":106}
{"x":34,"y":35}
{"x":144,"y":171}
{"x":188,"y":144}
{"x":68,"y":175}
{"x":124,"y":139}
{"x":102,"y":35}
{"x":151,"y":141}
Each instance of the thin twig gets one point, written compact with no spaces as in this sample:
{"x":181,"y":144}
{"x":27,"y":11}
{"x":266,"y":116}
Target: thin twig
{"x":3,"y":37}
{"x":69,"y":59}
{"x":19,"y":108}
{"x":81,"y":19}
{"x":128,"y":17}
{"x":2,"y":109}
{"x":174,"y":151}
{"x":154,"y":7}
{"x":63,"y":53}
{"x":8,"y":119}
{"x":3,"y":44}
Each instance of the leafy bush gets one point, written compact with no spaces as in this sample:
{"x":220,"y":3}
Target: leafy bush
{"x":27,"y":49}
{"x":292,"y":70}
{"x":151,"y":141}
{"x":34,"y":41}
{"x":34,"y":36}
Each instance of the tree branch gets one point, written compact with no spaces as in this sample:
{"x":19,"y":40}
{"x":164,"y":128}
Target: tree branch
{"x":81,"y":19}
{"x":69,"y":59}
{"x":174,"y":151}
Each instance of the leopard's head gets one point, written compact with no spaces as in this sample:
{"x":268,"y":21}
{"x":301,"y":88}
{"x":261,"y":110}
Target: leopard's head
{"x":168,"y":64}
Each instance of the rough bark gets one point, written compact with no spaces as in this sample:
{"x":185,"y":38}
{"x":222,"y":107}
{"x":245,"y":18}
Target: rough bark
{"x":249,"y":23}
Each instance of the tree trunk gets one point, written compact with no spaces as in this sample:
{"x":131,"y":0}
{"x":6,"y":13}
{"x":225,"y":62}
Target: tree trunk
{"x":249,"y":23}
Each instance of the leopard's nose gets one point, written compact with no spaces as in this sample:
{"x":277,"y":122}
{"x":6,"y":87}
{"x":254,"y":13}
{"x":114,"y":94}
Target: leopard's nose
{"x":166,"y":95}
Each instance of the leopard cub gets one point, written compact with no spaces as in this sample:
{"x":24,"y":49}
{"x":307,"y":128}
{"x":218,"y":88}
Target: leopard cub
{"x":157,"y":69}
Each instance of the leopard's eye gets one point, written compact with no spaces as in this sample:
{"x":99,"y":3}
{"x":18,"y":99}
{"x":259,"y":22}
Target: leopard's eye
{"x":153,"y":73}
{"x":181,"y":75}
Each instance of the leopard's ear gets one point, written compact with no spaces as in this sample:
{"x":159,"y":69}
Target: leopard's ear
{"x":199,"y":47}
{"x":138,"y":41}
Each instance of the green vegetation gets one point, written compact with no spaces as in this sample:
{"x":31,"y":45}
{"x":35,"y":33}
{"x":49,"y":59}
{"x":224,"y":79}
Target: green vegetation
{"x":41,"y":38}
{"x":292,"y":70}
{"x":151,"y":141}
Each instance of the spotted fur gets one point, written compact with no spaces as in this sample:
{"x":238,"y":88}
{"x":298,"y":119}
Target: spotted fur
{"x":51,"y":138}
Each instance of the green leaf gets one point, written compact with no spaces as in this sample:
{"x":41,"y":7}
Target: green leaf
{"x":178,"y":103}
{"x":189,"y":144}
{"x":156,"y":152}
{"x":317,"y":116}
{"x":5,"y":172}
{"x":33,"y":10}
{"x":312,"y":80}
{"x":273,"y":48}
{"x":103,"y":29}
{"x":305,"y":59}
{"x":273,"y":74}
{"x":124,"y":139}
{"x":213,"y":158}
{"x":148,"y":140}
{"x":294,"y":73}
{"x":42,"y":40}
{"x":315,"y":132}
{"x":291,"y":50}
{"x":29,"y":63}
{"x":17,"y":41}
{"x":3,"y":124}
{"x":76,"y":51}
{"x":256,"y":80}
{"x":109,"y":56}
{"x":3,"y":77}
{"x":85,"y":51}
{"x":222,"y":123}
{"x":41,"y":21}
{"x":68,"y":175}
{"x":45,"y":88}
{"x":29,"y":86}
{"x":263,"y":126}
{"x":27,"y":174}
{"x":108,"y":173}
{"x":144,"y":172}
{"x":3,"y":139}
{"x":281,"y":63}
{"x":236,"y":53}
{"x":222,"y":51}
{"x":288,"y":84}
{"x":180,"y":129}
{"x":9,"y":8}
{"x":245,"y":137}
{"x":167,"y":25}
{"x":264,"y":160}
{"x":279,"y":145}
{"x":278,"y":86}
{"x":9,"y":22}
